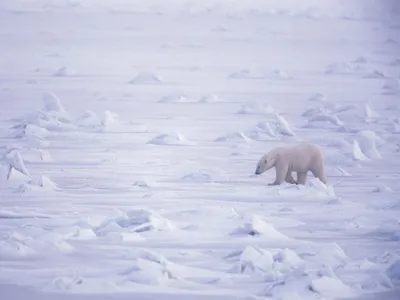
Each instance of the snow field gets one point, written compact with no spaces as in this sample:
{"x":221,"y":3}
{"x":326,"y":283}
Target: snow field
{"x":127,"y":159}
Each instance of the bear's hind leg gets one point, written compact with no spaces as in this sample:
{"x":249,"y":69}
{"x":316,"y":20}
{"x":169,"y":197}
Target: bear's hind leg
{"x":301,"y":177}
{"x":289,"y":178}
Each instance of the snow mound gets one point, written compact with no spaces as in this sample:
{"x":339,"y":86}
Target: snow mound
{"x":245,"y":74}
{"x":370,"y":113}
{"x":304,"y":284}
{"x":33,"y":131}
{"x":342,"y":155}
{"x":275,"y":128}
{"x":393,"y":272}
{"x":287,"y":259}
{"x":39,"y":126}
{"x":254,"y":74}
{"x":81,"y":234}
{"x":339,"y":143}
{"x":233,"y":137}
{"x":64,"y":72}
{"x":21,"y":213}
{"x":331,"y":287}
{"x":17,"y":245}
{"x":146,"y":78}
{"x":323,"y":120}
{"x":254,"y":108}
{"x":169,"y":45}
{"x":390,"y":41}
{"x":394,"y":126}
{"x":151,"y":269}
{"x":363,"y":264}
{"x":254,"y":259}
{"x":270,"y":264}
{"x":142,"y":184}
{"x":268,"y":130}
{"x":341,"y":172}
{"x":357,"y":153}
{"x":78,"y":231}
{"x":198,"y":176}
{"x":382,"y":189}
{"x":368,"y":142}
{"x":14,"y":161}
{"x":318,"y":97}
{"x":111,"y":230}
{"x":133,"y":222}
{"x":204,"y":175}
{"x":395,"y":62}
{"x":391,"y":86}
{"x":258,"y":226}
{"x":65,"y":284}
{"x":332,"y":255}
{"x":176,"y":98}
{"x":219,"y":29}
{"x":362,"y":69}
{"x":313,"y":112}
{"x":266,"y":127}
{"x":90,"y":120}
{"x":339,"y":109}
{"x":326,"y":190}
{"x":340,"y":68}
{"x":53,"y":104}
{"x":277,"y":74}
{"x":262,"y":131}
{"x":333,"y":115}
{"x":289,"y":275}
{"x":170,"y":139}
{"x":53,"y":117}
{"x":42,"y":181}
{"x":361,"y":60}
{"x":109,"y":119}
{"x":375,"y":74}
{"x":50,"y":121}
{"x":282,"y":126}
{"x":210,"y":98}
{"x":13,"y":246}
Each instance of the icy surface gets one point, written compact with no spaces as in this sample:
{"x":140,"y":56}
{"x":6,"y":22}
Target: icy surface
{"x":130,"y":132}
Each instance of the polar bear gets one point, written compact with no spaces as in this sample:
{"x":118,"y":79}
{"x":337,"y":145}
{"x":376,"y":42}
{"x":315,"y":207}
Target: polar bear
{"x":300,"y":158}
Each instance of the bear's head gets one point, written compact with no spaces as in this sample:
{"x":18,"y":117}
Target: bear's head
{"x":266,"y":162}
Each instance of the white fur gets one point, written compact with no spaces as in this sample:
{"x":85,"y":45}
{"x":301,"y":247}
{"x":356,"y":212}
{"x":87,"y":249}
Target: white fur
{"x":299,"y":158}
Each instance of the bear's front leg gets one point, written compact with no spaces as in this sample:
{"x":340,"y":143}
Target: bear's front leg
{"x":281,"y":169}
{"x":289,"y":178}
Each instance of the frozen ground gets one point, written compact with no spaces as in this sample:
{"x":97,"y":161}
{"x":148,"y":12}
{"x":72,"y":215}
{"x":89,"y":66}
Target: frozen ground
{"x":136,"y":127}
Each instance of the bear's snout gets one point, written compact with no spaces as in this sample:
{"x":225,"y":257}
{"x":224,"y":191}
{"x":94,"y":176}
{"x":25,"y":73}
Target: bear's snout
{"x":257,"y":172}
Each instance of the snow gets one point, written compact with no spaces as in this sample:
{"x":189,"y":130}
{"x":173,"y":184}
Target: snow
{"x":64,"y":71}
{"x":145,"y":77}
{"x":170,"y":139}
{"x":42,"y":181}
{"x":392,"y":86}
{"x":129,"y":134}
{"x":12,"y":158}
{"x":358,"y":154}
